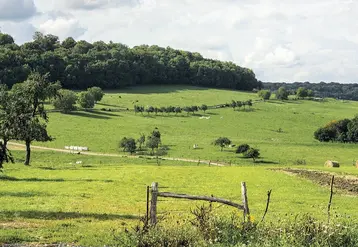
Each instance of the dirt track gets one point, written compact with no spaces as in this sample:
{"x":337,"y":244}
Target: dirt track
{"x":18,"y":146}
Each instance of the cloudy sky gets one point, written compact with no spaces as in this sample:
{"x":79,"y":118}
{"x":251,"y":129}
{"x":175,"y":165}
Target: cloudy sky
{"x":281,"y":40}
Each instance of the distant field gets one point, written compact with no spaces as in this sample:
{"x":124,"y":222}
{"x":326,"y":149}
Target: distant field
{"x":75,"y":204}
{"x":102,"y":130}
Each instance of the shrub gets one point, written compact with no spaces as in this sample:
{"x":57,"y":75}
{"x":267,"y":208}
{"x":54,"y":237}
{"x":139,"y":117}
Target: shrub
{"x":65,"y":101}
{"x":86,"y":100}
{"x":252,"y":153}
{"x":242,"y":148}
{"x":96,"y":92}
{"x":264,"y":94}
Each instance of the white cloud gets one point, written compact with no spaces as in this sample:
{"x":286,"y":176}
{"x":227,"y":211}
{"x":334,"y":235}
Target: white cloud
{"x":63,"y":27}
{"x":16,"y":10}
{"x":280,"y":40}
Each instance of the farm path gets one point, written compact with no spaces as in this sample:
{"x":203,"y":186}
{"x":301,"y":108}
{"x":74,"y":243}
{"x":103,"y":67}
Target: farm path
{"x":19,"y":146}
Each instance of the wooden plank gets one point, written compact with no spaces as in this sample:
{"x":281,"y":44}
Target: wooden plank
{"x":200,"y":198}
{"x":244,"y":200}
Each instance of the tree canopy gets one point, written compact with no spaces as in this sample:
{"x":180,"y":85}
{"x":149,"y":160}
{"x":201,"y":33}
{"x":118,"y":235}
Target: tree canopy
{"x":81,"y":65}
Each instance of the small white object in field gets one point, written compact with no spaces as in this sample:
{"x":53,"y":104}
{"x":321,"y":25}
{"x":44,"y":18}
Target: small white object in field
{"x":195,"y":146}
{"x":79,"y":162}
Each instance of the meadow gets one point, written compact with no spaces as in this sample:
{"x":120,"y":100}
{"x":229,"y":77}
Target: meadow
{"x":57,"y":201}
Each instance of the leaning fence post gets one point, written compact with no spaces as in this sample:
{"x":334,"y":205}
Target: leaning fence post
{"x":153,"y":204}
{"x":244,"y":200}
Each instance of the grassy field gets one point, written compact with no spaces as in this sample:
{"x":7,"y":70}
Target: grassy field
{"x":56,"y":200}
{"x":102,"y":131}
{"x":82,"y":204}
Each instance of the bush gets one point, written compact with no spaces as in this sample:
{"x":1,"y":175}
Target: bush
{"x":242,"y":148}
{"x":264,"y":94}
{"x":96,"y":92}
{"x":86,"y":100}
{"x":65,"y":101}
{"x":252,"y":153}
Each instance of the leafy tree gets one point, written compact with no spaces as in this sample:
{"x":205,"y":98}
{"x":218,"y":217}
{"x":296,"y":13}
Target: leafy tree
{"x":150,"y":109}
{"x":97,"y":93}
{"x":264,"y":94}
{"x":156,"y":133}
{"x":204,"y":108}
{"x":249,"y":103}
{"x":301,"y":92}
{"x":153,"y":143}
{"x":222,"y":142}
{"x":141,"y":141}
{"x":243,"y":148}
{"x":187,"y":109}
{"x":233,"y":104}
{"x":310,"y":93}
{"x":128,"y":145}
{"x":30,"y":96}
{"x":252,"y":153}
{"x":239,"y":104}
{"x":86,"y":100}
{"x":177,"y":110}
{"x":282,"y":94}
{"x":65,"y":101}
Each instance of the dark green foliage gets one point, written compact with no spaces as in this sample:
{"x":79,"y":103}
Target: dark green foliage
{"x":80,"y":65}
{"x":141,"y":140}
{"x":345,"y":130}
{"x":204,"y":107}
{"x":252,"y":153}
{"x":222,"y":142}
{"x":97,"y":93}
{"x":242,"y":148}
{"x":86,"y":100}
{"x":302,"y":92}
{"x":264,"y":94}
{"x":282,"y":94}
{"x":128,"y":145}
{"x":65,"y":101}
{"x":153,"y":143}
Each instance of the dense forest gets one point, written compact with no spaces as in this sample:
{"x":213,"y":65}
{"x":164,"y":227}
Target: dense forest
{"x":80,"y":65}
{"x":322,"y":89}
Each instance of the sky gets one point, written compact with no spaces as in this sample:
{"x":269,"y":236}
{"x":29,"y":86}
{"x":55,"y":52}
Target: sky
{"x":281,"y":40}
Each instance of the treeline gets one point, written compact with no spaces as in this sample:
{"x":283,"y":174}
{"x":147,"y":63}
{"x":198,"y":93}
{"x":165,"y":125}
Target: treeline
{"x":322,"y":89}
{"x":80,"y":65}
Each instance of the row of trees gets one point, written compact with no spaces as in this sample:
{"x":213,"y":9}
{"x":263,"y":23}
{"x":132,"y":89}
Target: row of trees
{"x":188,"y":109}
{"x":333,"y":89}
{"x":153,"y":141}
{"x":22,"y":113}
{"x":67,"y":99}
{"x":345,"y":130}
{"x":282,"y":93}
{"x":80,"y":65}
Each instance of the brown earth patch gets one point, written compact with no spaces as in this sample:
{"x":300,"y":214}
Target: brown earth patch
{"x":17,"y":225}
{"x":348,"y":183}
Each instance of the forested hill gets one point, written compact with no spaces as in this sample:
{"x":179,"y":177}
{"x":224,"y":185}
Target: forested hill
{"x":79,"y":65}
{"x":322,"y":89}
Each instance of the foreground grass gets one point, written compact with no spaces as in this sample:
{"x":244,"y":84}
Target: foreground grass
{"x":82,"y":205}
{"x":102,"y":130}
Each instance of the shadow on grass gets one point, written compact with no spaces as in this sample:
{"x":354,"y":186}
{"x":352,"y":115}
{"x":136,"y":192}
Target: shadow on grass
{"x":88,"y":114}
{"x":22,"y":194}
{"x":109,"y":105}
{"x":266,"y":162}
{"x":33,"y":214}
{"x":8,"y":178}
{"x":102,"y":113}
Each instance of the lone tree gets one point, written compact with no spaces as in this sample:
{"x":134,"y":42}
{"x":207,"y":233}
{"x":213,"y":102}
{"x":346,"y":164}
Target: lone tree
{"x":65,"y":101}
{"x":301,"y":93}
{"x":242,"y":148}
{"x":86,"y":100}
{"x":282,"y":94}
{"x":97,"y":93}
{"x":264,"y":94}
{"x":204,"y":108}
{"x":153,"y":143}
{"x":141,"y":140}
{"x":30,"y":96}
{"x":5,"y":155}
{"x":252,"y":153}
{"x":222,"y":142}
{"x":128,"y":145}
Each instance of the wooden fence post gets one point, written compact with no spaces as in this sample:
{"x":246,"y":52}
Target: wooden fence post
{"x":244,"y":200}
{"x":153,"y":204}
{"x":147,"y":208}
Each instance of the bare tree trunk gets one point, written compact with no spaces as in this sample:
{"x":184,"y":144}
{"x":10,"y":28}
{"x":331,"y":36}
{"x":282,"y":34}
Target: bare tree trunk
{"x":4,"y":148}
{"x":28,"y":153}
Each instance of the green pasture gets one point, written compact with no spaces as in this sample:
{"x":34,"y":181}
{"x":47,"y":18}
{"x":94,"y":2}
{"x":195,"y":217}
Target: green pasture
{"x":85,"y":203}
{"x":101,"y":130}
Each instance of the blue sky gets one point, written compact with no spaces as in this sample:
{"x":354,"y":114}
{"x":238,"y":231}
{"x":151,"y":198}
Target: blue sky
{"x":287,"y":40}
